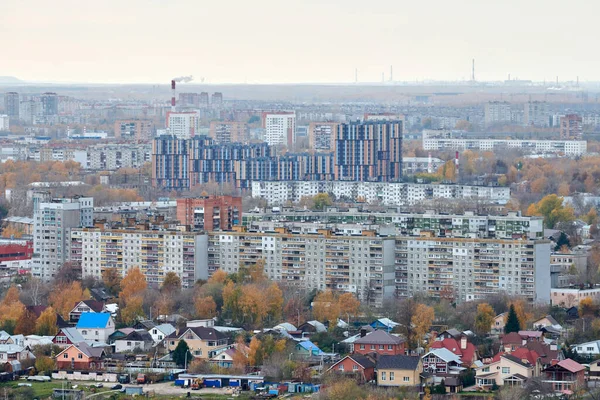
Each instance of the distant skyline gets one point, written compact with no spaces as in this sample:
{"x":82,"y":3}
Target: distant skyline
{"x":307,"y":41}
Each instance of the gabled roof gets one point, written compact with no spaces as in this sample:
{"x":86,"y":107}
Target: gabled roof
{"x":453,"y":345}
{"x":95,"y":305}
{"x":512,"y":338}
{"x":92,"y":320}
{"x":203,"y":333}
{"x":398,"y":362}
{"x":388,"y":323}
{"x":138,"y":335}
{"x":530,"y":334}
{"x":286,"y":326}
{"x":544,"y":351}
{"x":146,"y":324}
{"x":92,"y":352}
{"x":524,"y":353}
{"x":72,"y":334}
{"x":319,"y":327}
{"x":310,"y":346}
{"x":167,"y":329}
{"x":571,"y":365}
{"x":445,"y":355}
{"x":11,"y":348}
{"x":362,"y":360}
{"x":517,"y":360}
{"x":550,"y":319}
{"x":455,"y":333}
{"x":379,"y":337}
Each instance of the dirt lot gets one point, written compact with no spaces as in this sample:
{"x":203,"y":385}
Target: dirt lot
{"x":169,"y":388}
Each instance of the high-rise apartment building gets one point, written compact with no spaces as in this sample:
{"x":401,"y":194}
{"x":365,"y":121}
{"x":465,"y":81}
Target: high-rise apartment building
{"x":53,"y":221}
{"x":189,"y":100}
{"x":368,"y":151}
{"x":155,"y":252}
{"x":467,"y":269}
{"x":571,"y":126}
{"x":321,"y":135}
{"x":11,"y":104}
{"x":137,"y":129}
{"x":49,"y":104}
{"x":210,"y":213}
{"x":182,"y":124}
{"x":497,"y":112}
{"x":363,"y":265}
{"x":280,"y":128}
{"x":28,"y":110}
{"x":110,"y":157}
{"x":228,"y":131}
{"x":536,"y":113}
{"x":203,"y":99}
{"x":216,"y":99}
{"x":4,"y":122}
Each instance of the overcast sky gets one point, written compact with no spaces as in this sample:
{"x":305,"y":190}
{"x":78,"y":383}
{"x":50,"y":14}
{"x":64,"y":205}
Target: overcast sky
{"x":272,"y":41}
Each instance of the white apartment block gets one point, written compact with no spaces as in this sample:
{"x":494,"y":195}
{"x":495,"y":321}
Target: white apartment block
{"x":414,"y":165}
{"x":4,"y":123}
{"x":53,"y":221}
{"x":466,"y":270}
{"x":363,"y":265}
{"x":155,"y":252}
{"x":114,"y":156}
{"x":183,"y":125}
{"x":280,"y":128}
{"x":354,"y":221}
{"x":280,"y":192}
{"x":572,"y":148}
{"x":497,"y":112}
{"x":463,"y":269}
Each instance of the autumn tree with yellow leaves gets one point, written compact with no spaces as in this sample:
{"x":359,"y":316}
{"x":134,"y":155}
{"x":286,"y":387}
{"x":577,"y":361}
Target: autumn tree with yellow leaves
{"x":65,"y":296}
{"x":331,"y":306}
{"x":131,"y":297}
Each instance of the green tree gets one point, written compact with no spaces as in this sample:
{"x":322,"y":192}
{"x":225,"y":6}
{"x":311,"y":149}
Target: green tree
{"x":322,"y":200}
{"x":512,"y":321}
{"x":179,"y":354}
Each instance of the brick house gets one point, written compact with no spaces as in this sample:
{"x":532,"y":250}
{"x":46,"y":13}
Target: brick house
{"x":379,"y":342}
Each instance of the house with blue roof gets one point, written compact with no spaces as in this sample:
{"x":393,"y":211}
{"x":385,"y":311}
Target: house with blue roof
{"x":95,"y":327}
{"x":307,"y":348}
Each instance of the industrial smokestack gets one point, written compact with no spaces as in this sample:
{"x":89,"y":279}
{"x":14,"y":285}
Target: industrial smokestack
{"x":173,"y":95}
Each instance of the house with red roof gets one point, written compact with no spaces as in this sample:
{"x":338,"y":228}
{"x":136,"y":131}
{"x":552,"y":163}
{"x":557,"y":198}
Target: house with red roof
{"x":359,"y":366}
{"x":461,"y":347}
{"x":379,"y":342}
{"x":512,"y":369}
{"x":547,"y":352}
{"x":565,"y":376}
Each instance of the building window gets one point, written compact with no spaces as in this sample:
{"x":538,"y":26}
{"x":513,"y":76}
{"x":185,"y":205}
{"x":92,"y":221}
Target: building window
{"x":406,"y":379}
{"x":380,"y":347}
{"x":65,"y":355}
{"x":362,"y":346}
{"x":372,"y":347}
{"x":390,"y":347}
{"x":341,"y":367}
{"x":391,"y":376}
{"x":506,"y":370}
{"x":355,"y":368}
{"x":383,"y":376}
{"x":80,"y":356}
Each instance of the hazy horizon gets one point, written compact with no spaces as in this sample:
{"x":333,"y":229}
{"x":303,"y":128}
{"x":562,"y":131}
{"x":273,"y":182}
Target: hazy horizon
{"x":312,"y":42}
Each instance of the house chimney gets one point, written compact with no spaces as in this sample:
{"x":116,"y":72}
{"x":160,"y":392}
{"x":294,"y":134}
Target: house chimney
{"x":463,"y":342}
{"x":363,"y":332}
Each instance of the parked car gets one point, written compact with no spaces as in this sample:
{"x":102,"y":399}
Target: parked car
{"x":117,"y":387}
{"x":99,"y":385}
{"x":141,"y":378}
